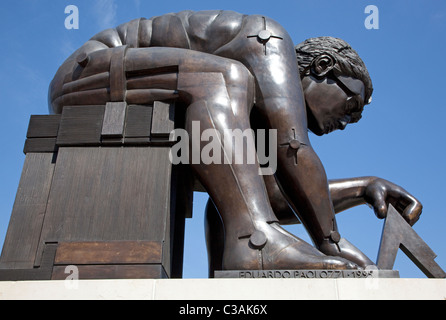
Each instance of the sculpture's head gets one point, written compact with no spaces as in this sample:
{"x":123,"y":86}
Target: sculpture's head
{"x":335,"y":82}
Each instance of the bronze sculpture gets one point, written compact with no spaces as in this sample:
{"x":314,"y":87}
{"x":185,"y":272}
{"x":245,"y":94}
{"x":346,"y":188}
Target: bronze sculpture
{"x":220,"y":64}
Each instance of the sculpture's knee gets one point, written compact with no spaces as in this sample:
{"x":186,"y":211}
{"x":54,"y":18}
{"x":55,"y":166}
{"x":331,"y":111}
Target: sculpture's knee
{"x":237,"y":74}
{"x":240,"y":82}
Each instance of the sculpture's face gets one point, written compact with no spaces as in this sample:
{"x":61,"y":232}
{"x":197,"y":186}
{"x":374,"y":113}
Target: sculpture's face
{"x":332,"y":102}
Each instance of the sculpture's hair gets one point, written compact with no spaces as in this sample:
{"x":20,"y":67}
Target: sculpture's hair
{"x":348,"y":60}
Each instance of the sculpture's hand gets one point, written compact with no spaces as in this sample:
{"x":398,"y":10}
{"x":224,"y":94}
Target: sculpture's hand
{"x":379,"y":193}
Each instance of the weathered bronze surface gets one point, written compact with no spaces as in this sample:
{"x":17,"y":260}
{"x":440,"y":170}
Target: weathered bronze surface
{"x":221,"y":65}
{"x":226,"y":70}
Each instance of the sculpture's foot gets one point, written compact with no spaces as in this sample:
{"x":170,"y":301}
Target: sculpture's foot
{"x":345,"y":249}
{"x":271,"y":247}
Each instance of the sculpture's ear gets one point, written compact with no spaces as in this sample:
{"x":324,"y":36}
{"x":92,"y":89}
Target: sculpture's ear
{"x":322,"y":64}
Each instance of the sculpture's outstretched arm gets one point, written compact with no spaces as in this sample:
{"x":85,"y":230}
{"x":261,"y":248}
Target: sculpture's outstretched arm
{"x":351,"y":192}
{"x":376,"y":192}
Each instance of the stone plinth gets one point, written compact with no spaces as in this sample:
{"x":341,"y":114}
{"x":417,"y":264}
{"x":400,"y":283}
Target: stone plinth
{"x":229,"y":289}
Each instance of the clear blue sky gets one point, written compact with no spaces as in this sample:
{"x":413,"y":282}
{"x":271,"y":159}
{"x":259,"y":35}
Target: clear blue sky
{"x":400,"y":138}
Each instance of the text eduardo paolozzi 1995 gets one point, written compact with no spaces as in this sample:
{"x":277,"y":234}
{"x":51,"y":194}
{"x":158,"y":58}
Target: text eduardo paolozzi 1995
{"x":310,"y":274}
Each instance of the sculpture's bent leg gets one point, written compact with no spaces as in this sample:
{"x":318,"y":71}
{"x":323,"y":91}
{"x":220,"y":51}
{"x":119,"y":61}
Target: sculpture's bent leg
{"x":219,"y":93}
